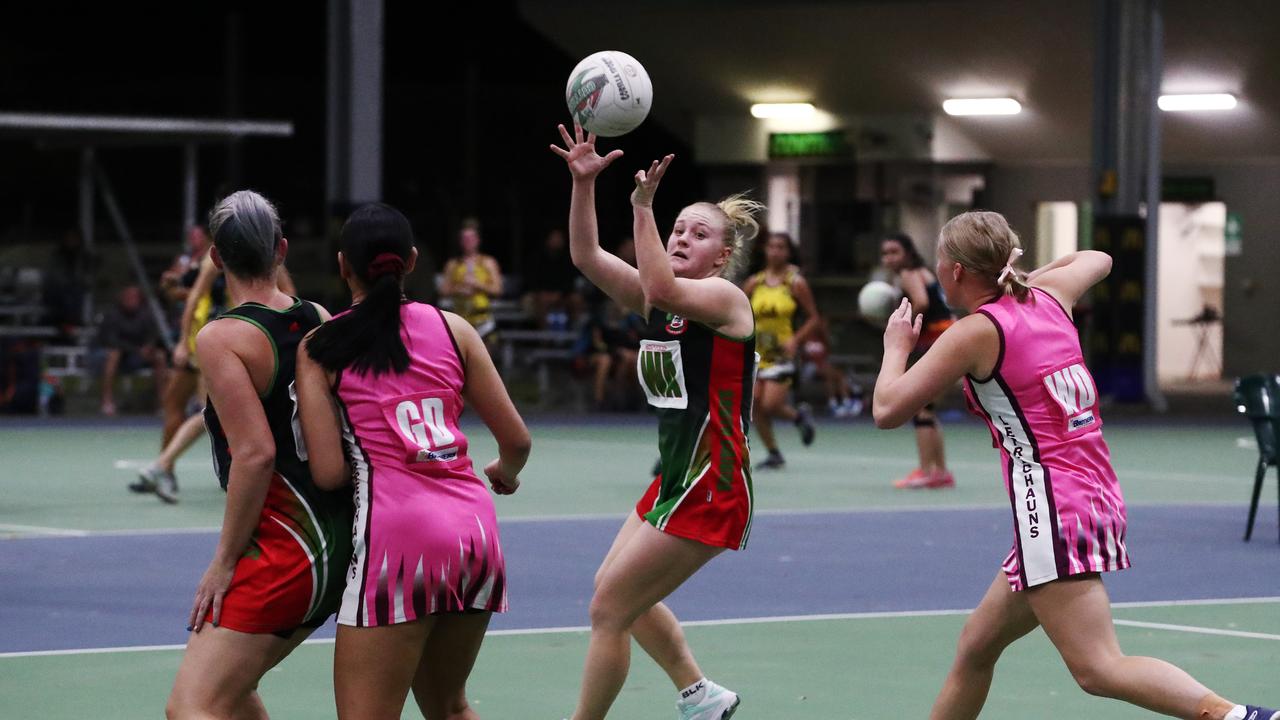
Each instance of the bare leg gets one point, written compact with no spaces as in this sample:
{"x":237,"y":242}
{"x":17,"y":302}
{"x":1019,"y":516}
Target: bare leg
{"x":645,"y":570}
{"x":657,"y":629}
{"x":374,"y":667}
{"x":929,"y":442}
{"x":1002,"y":617}
{"x":188,"y":432}
{"x":770,"y":402}
{"x":109,"y":370}
{"x":182,"y":382}
{"x":440,"y":685}
{"x":600,"y":362}
{"x":220,"y":670}
{"x":1076,"y":615}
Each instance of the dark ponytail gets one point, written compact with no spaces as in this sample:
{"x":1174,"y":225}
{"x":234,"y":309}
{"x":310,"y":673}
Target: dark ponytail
{"x":377,"y":244}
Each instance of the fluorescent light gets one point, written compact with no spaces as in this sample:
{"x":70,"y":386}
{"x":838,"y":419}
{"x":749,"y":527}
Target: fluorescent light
{"x":982,"y":106}
{"x":782,"y":110}
{"x":1210,"y":101}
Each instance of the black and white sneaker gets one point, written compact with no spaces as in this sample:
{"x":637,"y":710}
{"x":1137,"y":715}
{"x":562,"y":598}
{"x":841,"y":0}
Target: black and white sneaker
{"x":804,"y":423}
{"x":166,"y":486}
{"x":1256,"y":712}
{"x":773,"y":462}
{"x":146,"y":482}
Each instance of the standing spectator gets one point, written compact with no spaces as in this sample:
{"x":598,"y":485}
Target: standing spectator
{"x":130,"y":342}
{"x":473,"y":279}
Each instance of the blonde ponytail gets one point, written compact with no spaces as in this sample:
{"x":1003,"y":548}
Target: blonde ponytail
{"x":741,"y":227}
{"x":983,"y":243}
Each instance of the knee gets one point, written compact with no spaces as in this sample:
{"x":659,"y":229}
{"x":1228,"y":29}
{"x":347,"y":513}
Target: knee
{"x":978,"y":649}
{"x":608,"y":614}
{"x":1093,"y":678}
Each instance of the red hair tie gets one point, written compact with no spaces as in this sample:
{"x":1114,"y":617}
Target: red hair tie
{"x":386,"y":263}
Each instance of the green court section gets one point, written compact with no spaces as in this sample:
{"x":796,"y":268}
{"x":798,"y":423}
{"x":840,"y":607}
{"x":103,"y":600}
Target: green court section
{"x":75,"y":478}
{"x":863,"y":669}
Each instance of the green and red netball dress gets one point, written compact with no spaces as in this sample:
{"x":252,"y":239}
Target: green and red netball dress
{"x":699,"y":383}
{"x":293,"y":572}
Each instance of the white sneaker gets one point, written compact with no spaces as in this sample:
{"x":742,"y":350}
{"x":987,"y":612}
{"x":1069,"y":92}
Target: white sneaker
{"x":717,"y":704}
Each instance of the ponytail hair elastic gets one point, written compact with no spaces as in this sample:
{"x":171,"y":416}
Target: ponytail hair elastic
{"x":386,"y":263}
{"x":1008,"y":270}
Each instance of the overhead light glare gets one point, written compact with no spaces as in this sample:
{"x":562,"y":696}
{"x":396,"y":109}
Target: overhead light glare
{"x":1206,"y":101}
{"x":790,"y":111}
{"x":982,"y":106}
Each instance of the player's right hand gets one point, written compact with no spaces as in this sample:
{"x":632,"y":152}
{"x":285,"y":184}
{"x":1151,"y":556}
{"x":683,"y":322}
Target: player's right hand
{"x":502,"y":482}
{"x":581,"y":156}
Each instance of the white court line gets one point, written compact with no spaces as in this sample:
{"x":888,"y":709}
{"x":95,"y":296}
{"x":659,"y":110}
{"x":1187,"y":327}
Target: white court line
{"x":42,"y":530}
{"x":886,"y":615}
{"x":1198,"y":630}
{"x":21,"y":532}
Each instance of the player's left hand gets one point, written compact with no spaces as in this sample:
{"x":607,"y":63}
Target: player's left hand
{"x":647,"y":182}
{"x":903,"y":330}
{"x":209,"y":593}
{"x":789,"y":347}
{"x":501,"y":482}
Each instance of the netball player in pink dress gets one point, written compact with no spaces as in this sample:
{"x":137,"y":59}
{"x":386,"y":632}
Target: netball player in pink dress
{"x":427,"y":567}
{"x":1019,"y":356}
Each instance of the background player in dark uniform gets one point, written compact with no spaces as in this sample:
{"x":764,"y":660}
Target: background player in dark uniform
{"x":282,"y":554}
{"x":696,"y":367}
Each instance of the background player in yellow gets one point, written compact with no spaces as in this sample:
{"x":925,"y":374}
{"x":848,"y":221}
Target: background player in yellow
{"x":776,"y":292}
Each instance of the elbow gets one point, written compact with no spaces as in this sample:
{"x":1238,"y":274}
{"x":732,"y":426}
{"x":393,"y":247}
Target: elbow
{"x":257,"y":458}
{"x":884,"y":416}
{"x":521,"y":444}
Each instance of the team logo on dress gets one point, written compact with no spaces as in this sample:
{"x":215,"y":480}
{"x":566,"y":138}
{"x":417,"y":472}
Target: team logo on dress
{"x":675,"y":324}
{"x":585,"y":95}
{"x":1073,"y":389}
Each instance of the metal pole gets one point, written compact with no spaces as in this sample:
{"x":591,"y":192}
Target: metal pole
{"x":189,"y":161}
{"x":1151,"y":272}
{"x":135,"y":260}
{"x":86,"y":227}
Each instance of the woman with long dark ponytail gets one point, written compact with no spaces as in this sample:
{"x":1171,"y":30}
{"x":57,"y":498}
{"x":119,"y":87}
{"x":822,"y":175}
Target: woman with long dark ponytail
{"x":415,"y":609}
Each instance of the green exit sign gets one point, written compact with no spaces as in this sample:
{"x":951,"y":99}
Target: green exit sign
{"x":809,"y":145}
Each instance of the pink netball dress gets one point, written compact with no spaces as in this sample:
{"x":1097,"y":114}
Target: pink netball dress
{"x":425,"y":535}
{"x":1041,"y":406}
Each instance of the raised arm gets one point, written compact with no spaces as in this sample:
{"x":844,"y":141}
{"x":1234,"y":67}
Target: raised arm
{"x":1069,"y":277}
{"x":712,"y":301}
{"x":605,"y":270}
{"x":202,"y":286}
{"x":232,"y":392}
{"x":485,"y":392}
{"x":970,"y":346}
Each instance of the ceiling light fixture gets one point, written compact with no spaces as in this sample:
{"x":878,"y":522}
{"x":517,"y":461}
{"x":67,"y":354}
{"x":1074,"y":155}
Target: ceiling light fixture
{"x":982,"y":106}
{"x":789,"y":111}
{"x":1209,"y":101}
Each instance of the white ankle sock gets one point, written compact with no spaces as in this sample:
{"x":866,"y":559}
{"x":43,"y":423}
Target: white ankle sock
{"x":1236,"y":713}
{"x":695,"y":693}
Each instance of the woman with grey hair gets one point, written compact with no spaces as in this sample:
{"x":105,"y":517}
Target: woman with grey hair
{"x":278,"y":569}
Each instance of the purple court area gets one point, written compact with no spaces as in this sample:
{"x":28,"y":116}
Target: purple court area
{"x":109,"y":591}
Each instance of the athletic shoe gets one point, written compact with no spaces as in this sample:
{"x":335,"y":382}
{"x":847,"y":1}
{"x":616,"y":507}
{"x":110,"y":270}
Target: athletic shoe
{"x":773,"y":462}
{"x":717,"y":704}
{"x":804,"y":423}
{"x":941,"y":479}
{"x":1256,"y":712}
{"x":914,"y":479}
{"x":147,"y":480}
{"x":166,"y":486}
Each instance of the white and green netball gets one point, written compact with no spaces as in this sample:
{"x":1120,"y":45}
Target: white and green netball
{"x":609,"y":93}
{"x":877,"y":300}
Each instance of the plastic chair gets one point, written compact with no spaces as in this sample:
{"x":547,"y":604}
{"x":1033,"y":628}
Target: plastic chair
{"x":1257,"y":397}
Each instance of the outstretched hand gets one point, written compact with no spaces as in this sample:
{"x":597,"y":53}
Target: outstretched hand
{"x":903,"y":330}
{"x":581,"y":156}
{"x":647,"y":183}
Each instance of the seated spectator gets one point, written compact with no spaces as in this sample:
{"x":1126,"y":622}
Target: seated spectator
{"x":610,"y":344}
{"x":553,"y":300}
{"x":128,"y":341}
